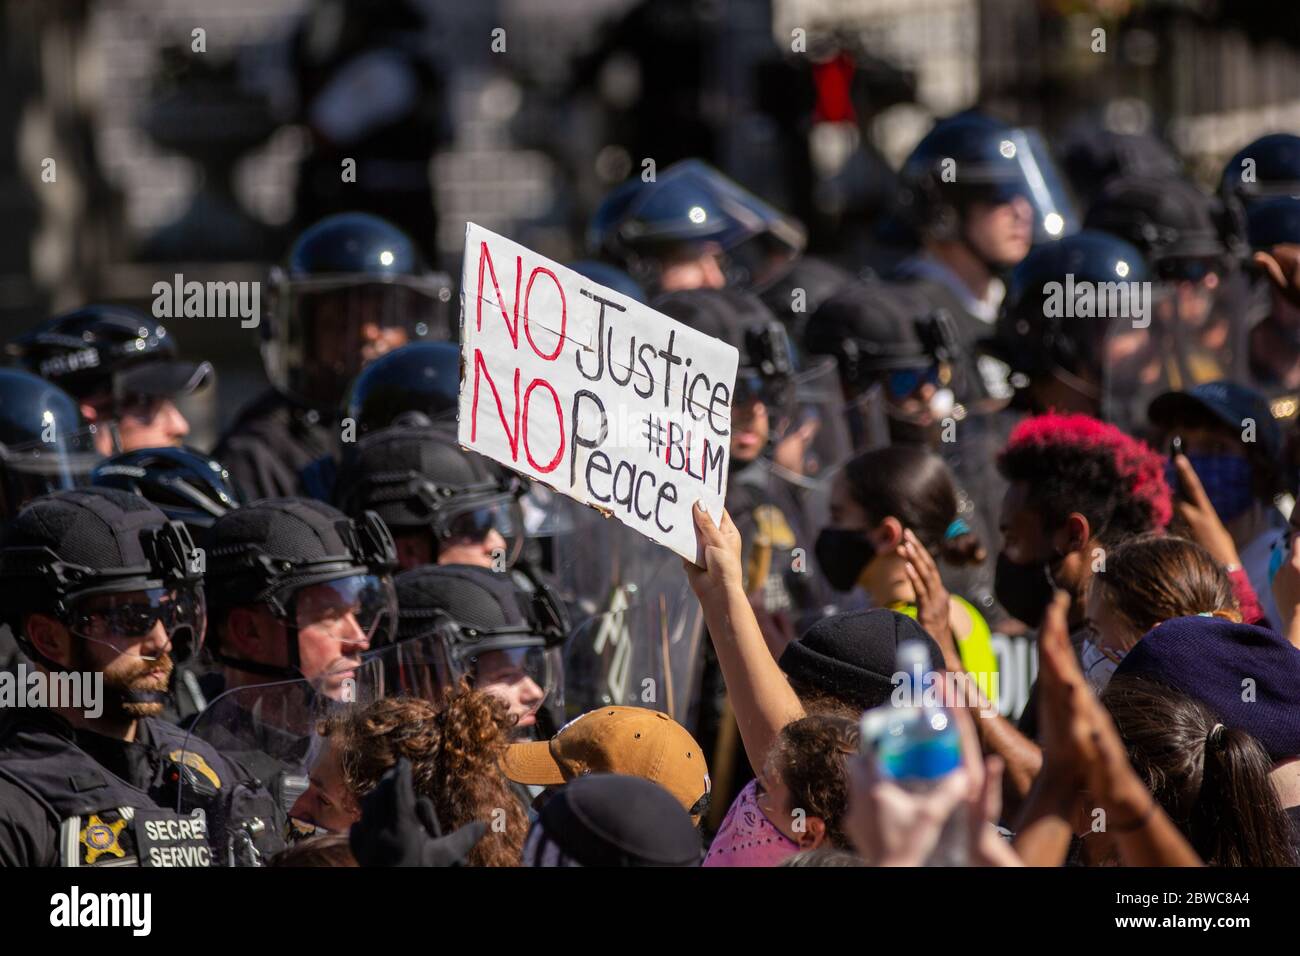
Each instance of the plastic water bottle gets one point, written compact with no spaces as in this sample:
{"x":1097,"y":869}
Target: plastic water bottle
{"x":916,"y":746}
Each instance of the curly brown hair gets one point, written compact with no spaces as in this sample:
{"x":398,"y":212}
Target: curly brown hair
{"x":811,"y":758}
{"x":454,"y":747}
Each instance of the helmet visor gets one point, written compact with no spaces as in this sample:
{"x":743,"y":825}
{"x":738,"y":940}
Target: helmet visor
{"x":1023,"y":169}
{"x":327,"y":329}
{"x":337,"y":621}
{"x":494,"y":525}
{"x":121,"y":619}
{"x":521,"y":677}
{"x":39,"y":467}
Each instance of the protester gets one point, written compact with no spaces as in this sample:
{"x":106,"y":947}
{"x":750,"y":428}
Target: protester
{"x":1248,"y":676}
{"x":609,"y":819}
{"x":884,"y":504}
{"x":1149,"y":579}
{"x":799,"y":801}
{"x":1211,"y":779}
{"x":1086,"y":769}
{"x":1232,"y":442}
{"x":400,"y":828}
{"x":454,"y":752}
{"x":630,"y":741}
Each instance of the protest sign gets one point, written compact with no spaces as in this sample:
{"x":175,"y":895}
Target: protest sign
{"x":593,"y":393}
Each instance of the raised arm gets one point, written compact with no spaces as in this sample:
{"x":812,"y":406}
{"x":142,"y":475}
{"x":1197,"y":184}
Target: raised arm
{"x":760,"y":695}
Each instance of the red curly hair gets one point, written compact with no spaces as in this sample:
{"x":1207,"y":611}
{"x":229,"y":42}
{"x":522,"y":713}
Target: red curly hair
{"x":455,"y":750}
{"x":1078,"y":463}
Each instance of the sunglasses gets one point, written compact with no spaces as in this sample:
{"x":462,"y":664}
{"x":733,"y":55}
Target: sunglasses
{"x":904,"y":382}
{"x":135,"y":617}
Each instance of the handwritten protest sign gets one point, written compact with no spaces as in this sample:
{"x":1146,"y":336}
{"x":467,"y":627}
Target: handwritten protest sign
{"x":592,"y":393}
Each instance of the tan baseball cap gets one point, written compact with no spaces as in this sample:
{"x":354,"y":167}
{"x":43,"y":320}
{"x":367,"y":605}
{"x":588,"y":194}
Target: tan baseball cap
{"x":627,"y":740}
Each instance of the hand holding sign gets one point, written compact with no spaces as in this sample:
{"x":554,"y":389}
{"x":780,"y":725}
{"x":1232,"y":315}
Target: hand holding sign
{"x":594,"y":394}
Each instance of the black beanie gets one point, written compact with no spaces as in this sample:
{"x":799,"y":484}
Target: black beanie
{"x":853,"y":656}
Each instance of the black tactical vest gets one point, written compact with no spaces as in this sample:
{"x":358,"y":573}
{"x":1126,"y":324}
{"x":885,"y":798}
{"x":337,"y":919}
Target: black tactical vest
{"x":225,"y":817}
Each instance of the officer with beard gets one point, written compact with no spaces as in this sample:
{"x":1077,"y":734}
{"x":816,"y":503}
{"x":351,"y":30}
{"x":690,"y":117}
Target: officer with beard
{"x":101,"y":590}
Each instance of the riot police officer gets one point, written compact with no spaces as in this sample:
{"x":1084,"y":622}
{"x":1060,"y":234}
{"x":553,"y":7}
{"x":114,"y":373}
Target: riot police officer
{"x":299,"y":593}
{"x":44,"y":446}
{"x":888,"y":337}
{"x":103,"y":593}
{"x":1070,"y":362}
{"x":443,"y":504}
{"x":481,"y":626}
{"x":977,"y":193}
{"x":189,"y":487}
{"x":353,"y":288}
{"x":421,"y":378}
{"x":1197,"y":320}
{"x":185,"y":484}
{"x":899,"y":355}
{"x":124,"y":369}
{"x":298,"y":590}
{"x":1267,"y":167}
{"x":692,"y":228}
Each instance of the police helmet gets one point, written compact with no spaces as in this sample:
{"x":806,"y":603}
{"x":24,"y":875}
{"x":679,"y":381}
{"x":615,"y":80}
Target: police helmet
{"x":417,"y":477}
{"x":422,"y":377}
{"x":185,"y":484}
{"x":108,"y":565}
{"x":353,"y":287}
{"x":1027,"y":336}
{"x":109,"y":352}
{"x":309,"y":565}
{"x":973,"y":158}
{"x":692,"y":208}
{"x":44,"y":443}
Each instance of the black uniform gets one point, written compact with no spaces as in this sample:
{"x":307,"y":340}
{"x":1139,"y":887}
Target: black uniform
{"x":68,"y":794}
{"x":270,"y":443}
{"x":75,"y":798}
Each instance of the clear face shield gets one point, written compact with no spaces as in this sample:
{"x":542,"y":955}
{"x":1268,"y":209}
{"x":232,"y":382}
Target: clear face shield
{"x":812,"y":437}
{"x":37,"y":468}
{"x":522,"y":676}
{"x":1184,"y":329}
{"x":695,"y":210}
{"x":336,"y":622}
{"x":491,"y":525}
{"x":327,"y":329}
{"x":150,"y":624}
{"x":1023,"y":170}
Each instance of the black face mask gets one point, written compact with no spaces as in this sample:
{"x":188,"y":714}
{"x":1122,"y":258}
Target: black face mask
{"x":842,"y":554}
{"x":1024,"y":590}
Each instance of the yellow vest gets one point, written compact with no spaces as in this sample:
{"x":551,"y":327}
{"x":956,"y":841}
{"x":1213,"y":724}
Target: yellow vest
{"x":976,"y":648}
